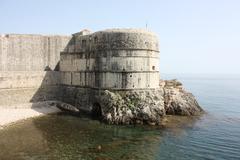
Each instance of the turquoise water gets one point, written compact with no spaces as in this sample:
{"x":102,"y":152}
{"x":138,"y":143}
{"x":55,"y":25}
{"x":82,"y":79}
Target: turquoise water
{"x":215,"y":135}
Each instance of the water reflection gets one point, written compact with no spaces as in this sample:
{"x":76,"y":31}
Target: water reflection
{"x":68,"y":137}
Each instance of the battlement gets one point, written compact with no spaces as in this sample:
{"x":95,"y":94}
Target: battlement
{"x":113,"y":39}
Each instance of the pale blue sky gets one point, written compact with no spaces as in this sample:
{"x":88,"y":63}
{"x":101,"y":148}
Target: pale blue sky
{"x":196,"y":36}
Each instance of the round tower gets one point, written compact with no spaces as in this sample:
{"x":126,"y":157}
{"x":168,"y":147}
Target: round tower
{"x":114,"y":59}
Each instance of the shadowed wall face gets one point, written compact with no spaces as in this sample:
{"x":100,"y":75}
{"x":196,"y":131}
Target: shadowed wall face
{"x":28,"y":66}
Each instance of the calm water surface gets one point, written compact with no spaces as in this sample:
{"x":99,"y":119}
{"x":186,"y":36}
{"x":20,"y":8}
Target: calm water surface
{"x":215,"y":135}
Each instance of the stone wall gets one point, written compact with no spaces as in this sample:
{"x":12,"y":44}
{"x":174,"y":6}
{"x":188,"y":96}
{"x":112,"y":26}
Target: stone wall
{"x":111,"y":59}
{"x":20,"y":52}
{"x":116,"y":59}
{"x":113,"y":74}
{"x":29,"y":67}
{"x":121,"y":61}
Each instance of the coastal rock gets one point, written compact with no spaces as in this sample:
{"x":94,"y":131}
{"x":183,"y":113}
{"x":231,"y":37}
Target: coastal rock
{"x":178,"y":101}
{"x":66,"y":107}
{"x":149,"y":107}
{"x":132,"y":107}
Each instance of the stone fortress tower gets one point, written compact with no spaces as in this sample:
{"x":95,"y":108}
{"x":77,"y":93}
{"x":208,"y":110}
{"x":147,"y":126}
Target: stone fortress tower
{"x":114,"y":74}
{"x":96,"y":68}
{"x":116,"y":59}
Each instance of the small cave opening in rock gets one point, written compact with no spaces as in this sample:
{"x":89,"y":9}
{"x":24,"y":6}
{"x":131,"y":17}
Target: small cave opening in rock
{"x":96,"y":111}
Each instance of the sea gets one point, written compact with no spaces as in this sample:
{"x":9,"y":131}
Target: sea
{"x":214,"y":135}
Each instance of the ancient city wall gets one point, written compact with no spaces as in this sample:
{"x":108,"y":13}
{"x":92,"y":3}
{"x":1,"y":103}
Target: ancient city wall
{"x":30,"y":52}
{"x":116,"y":60}
{"x":28,"y":67}
{"x":113,"y":74}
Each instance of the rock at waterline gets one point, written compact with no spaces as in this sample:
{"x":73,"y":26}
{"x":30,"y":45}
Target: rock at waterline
{"x":146,"y":106}
{"x":177,"y":101}
{"x":149,"y":107}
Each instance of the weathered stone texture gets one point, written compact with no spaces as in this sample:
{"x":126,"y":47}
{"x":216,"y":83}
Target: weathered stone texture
{"x":27,"y":64}
{"x":18,"y":96}
{"x":112,"y":59}
{"x":134,"y":106}
{"x":19,"y":52}
{"x":113,"y":74}
{"x":28,"y":79}
{"x":178,"y":101}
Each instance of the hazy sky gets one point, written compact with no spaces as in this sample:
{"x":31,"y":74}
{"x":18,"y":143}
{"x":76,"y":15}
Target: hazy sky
{"x":196,"y":36}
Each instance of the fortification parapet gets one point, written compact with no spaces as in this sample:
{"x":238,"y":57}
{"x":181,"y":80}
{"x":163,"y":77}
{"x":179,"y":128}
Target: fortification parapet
{"x":114,"y":39}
